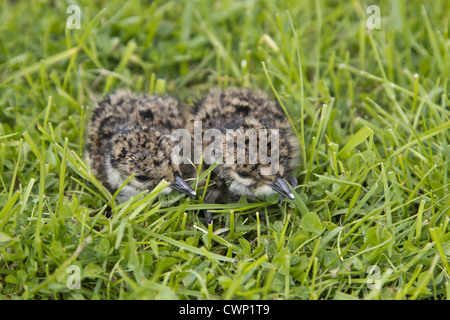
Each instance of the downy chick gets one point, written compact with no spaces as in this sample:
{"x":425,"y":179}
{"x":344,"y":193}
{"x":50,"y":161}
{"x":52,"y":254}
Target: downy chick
{"x":130,"y":133}
{"x":241,"y":111}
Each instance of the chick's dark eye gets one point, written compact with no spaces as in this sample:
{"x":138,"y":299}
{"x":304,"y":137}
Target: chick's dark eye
{"x":243,"y":174}
{"x":142,"y":178}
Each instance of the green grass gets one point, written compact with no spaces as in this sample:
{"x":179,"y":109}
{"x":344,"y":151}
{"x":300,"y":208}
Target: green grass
{"x":370,"y":219}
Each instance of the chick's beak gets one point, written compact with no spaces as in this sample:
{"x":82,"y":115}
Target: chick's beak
{"x":282,"y":188}
{"x":181,"y":185}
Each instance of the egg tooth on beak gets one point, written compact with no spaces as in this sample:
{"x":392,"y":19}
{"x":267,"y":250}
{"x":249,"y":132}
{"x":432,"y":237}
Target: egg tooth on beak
{"x":181,"y":186}
{"x":280,"y":186}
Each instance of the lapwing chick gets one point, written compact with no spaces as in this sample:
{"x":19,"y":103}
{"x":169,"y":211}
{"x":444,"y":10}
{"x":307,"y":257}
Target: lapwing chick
{"x":130,"y":134}
{"x":242,"y":112}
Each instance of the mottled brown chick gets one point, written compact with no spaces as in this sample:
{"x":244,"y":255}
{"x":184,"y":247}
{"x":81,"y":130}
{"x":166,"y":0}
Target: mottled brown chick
{"x":241,"y":111}
{"x":130,"y":134}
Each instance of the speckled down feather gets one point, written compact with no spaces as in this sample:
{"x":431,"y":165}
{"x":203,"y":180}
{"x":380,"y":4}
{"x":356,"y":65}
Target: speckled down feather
{"x":130,"y":133}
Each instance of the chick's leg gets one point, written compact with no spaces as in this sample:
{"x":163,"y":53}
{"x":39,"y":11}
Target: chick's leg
{"x":213,"y":194}
{"x":292,"y":181}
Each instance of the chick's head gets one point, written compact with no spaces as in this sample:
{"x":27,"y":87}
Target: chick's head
{"x":259,"y":160}
{"x":145,"y":152}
